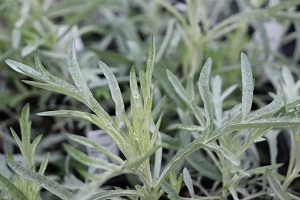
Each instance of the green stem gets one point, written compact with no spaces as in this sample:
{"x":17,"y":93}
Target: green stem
{"x":182,"y":154}
{"x":233,"y":193}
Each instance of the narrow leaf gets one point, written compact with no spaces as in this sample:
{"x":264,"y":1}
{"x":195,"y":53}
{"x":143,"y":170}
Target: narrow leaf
{"x":100,"y":122}
{"x":24,"y":69}
{"x":272,"y":107}
{"x":158,"y":159}
{"x":41,"y":75}
{"x":150,"y":60}
{"x":228,"y":91}
{"x":179,"y":156}
{"x":89,"y":143}
{"x":57,"y":88}
{"x":42,"y":170}
{"x":231,"y":182}
{"x":224,"y":152}
{"x":75,"y":72}
{"x":262,"y":170}
{"x":17,"y":139}
{"x":184,"y":95}
{"x":188,"y":182}
{"x":115,"y":93}
{"x":42,"y":180}
{"x":136,"y":102}
{"x":68,"y":113}
{"x":80,"y":83}
{"x":248,"y":86}
{"x":10,"y":189}
{"x":35,"y":142}
{"x":145,"y":87}
{"x":191,"y":128}
{"x":170,"y":191}
{"x":88,"y":160}
{"x":276,"y":187}
{"x":206,"y":94}
{"x":205,"y":168}
{"x":44,"y":164}
{"x":156,"y":131}
{"x":49,"y":78}
{"x":179,"y":88}
{"x":138,"y":161}
{"x":252,"y":137}
{"x":264,"y":123}
{"x":116,"y":193}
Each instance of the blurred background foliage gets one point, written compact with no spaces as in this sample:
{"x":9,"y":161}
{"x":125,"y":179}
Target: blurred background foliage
{"x":118,"y":33}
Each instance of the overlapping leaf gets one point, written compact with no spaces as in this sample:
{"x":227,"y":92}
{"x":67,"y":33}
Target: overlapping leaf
{"x":42,"y":180}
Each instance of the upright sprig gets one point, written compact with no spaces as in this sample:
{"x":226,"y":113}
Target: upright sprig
{"x":135,"y":141}
{"x":132,"y":134}
{"x":222,"y":136}
{"x":24,"y":188}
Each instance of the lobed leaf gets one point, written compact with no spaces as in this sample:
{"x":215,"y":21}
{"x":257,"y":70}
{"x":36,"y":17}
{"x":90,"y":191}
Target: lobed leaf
{"x":248,"y":86}
{"x":42,"y":180}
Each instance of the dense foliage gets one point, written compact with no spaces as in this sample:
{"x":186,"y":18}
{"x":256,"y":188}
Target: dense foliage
{"x":193,"y":123}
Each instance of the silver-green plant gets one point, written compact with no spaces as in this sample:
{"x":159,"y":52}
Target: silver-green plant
{"x":221,"y":128}
{"x":22,"y":188}
{"x":215,"y":132}
{"x":135,"y":141}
